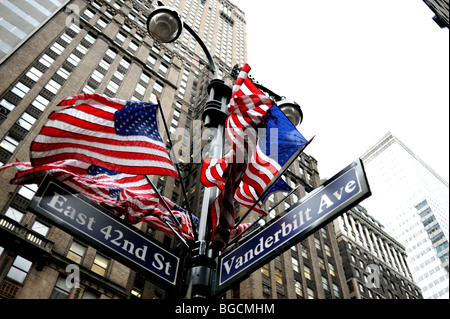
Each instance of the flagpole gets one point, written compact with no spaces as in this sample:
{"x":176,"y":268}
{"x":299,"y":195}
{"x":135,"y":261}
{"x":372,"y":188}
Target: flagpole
{"x":183,"y":188}
{"x":273,"y":181}
{"x":175,"y":232}
{"x":176,"y":221}
{"x":262,"y":216}
{"x":290,"y":193}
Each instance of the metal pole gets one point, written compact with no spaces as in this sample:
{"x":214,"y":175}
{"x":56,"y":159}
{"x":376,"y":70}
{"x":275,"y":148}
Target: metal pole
{"x":202,"y":261}
{"x":183,"y":188}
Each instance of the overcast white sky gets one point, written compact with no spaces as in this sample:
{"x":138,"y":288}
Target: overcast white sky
{"x":359,"y":69}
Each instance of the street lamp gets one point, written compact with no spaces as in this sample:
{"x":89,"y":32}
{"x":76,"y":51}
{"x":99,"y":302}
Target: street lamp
{"x":292,"y":111}
{"x":165,"y":25}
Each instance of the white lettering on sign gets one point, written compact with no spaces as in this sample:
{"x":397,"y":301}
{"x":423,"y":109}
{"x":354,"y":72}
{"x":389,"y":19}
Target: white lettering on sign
{"x":95,"y":225}
{"x":57,"y":203}
{"x":159,"y":263}
{"x":115,"y":236}
{"x":116,"y":239}
{"x":325,"y":200}
{"x":288,"y":228}
{"x":265,"y":243}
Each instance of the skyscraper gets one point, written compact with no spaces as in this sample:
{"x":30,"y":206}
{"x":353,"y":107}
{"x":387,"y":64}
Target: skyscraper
{"x":440,"y":8}
{"x":103,"y":47}
{"x":412,"y":202}
{"x":374,"y":263}
{"x":19,"y":20}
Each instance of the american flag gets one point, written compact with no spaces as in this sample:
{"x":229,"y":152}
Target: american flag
{"x":246,"y":195}
{"x":246,"y":109}
{"x":235,"y":233}
{"x":115,"y":134}
{"x":277,"y":143}
{"x":159,"y":217}
{"x":128,"y":196}
{"x":213,"y":170}
{"x":252,"y":163}
{"x":130,"y":193}
{"x":222,"y":209}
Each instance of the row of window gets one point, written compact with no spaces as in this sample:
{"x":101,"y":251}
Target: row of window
{"x":381,"y":248}
{"x":133,"y":45}
{"x":307,"y":272}
{"x":76,"y":252}
{"x":381,"y":269}
{"x":13,"y":97}
{"x":20,"y":268}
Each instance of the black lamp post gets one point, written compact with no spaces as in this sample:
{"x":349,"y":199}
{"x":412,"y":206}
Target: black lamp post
{"x":164,"y":24}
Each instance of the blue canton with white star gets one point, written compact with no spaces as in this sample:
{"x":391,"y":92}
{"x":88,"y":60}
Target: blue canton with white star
{"x":288,"y":141}
{"x":95,"y":170}
{"x":137,"y":118}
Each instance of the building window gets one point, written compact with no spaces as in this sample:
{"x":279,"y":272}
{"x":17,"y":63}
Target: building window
{"x":40,"y":102}
{"x":14,"y":214}
{"x":76,"y":252}
{"x":90,"y":294}
{"x":278,"y":276}
{"x":298,"y":288}
{"x":10,"y":144}
{"x":158,"y":87}
{"x":304,"y":251}
{"x":112,"y":87}
{"x":332,"y":271}
{"x":100,"y":265}
{"x":53,"y":86}
{"x":101,"y":24}
{"x":133,"y":46}
{"x":7,"y":105}
{"x":163,"y":68}
{"x":327,"y":250}
{"x":19,"y":269}
{"x":361,"y":287}
{"x":336,"y":292}
{"x":73,"y":59}
{"x":361,"y":264}
{"x":317,"y":243}
{"x":310,"y":293}
{"x":325,"y":284}
{"x":34,"y":74}
{"x":265,"y":270}
{"x":321,"y":262}
{"x":28,"y":191}
{"x":40,"y":228}
{"x":151,"y":60}
{"x":46,"y":60}
{"x":307,"y":272}
{"x":138,"y":287}
{"x":266,"y":291}
{"x":61,"y":291}
{"x":295,"y":264}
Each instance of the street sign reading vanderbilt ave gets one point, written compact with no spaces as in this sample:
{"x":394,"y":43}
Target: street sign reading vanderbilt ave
{"x":85,"y":219}
{"x":337,"y":195}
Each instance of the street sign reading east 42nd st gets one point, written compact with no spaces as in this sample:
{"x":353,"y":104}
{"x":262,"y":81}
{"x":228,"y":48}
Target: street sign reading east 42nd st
{"x":337,"y":195}
{"x":89,"y":221}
